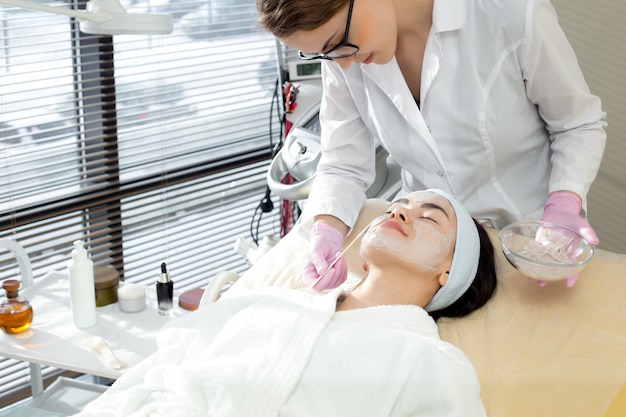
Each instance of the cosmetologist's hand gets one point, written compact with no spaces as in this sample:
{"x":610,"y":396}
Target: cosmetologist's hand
{"x":324,"y":247}
{"x":563,"y":208}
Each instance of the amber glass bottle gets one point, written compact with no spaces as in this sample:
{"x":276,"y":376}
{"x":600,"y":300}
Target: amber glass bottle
{"x":16,"y":313}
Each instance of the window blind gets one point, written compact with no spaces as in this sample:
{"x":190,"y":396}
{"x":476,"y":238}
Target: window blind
{"x":149,"y":148}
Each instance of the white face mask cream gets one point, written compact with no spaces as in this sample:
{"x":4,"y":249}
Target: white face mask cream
{"x":424,"y":245}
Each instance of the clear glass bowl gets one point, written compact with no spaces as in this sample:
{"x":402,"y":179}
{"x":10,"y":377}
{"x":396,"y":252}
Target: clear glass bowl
{"x":545,"y":251}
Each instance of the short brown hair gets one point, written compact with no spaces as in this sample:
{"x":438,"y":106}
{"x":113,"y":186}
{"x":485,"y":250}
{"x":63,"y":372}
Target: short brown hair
{"x":282,"y":18}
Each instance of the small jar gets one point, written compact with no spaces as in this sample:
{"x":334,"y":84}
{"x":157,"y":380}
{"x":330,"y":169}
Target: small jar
{"x":16,"y":313}
{"x":106,"y":281}
{"x":132,"y":298}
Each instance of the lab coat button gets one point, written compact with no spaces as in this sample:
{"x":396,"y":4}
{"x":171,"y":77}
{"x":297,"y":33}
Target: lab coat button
{"x":440,"y":173}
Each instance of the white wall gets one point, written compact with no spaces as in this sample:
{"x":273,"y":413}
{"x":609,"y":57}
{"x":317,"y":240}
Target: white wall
{"x":597,"y":31}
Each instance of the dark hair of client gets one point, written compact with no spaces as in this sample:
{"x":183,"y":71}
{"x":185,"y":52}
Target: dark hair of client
{"x":483,"y":286}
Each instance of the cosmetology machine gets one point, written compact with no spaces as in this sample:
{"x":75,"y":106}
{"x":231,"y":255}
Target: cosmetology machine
{"x":301,"y":153}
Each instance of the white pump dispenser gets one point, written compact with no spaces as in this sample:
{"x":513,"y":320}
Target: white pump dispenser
{"x":82,"y":287}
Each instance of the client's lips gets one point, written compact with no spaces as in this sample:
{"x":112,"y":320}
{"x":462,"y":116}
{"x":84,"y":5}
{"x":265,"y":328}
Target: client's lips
{"x":393,"y":225}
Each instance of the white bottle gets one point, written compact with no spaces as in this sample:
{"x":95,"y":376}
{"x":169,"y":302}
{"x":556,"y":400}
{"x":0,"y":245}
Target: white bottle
{"x":82,"y":287}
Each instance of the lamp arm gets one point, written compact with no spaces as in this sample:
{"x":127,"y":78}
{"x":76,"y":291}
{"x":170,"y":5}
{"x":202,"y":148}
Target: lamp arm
{"x":96,"y":17}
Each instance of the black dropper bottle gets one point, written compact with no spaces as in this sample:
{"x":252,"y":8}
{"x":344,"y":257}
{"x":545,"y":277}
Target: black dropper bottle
{"x":165,"y":291}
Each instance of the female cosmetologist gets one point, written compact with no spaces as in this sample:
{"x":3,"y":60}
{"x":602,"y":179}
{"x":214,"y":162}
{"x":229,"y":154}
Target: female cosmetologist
{"x":282,"y":352}
{"x":483,"y":99}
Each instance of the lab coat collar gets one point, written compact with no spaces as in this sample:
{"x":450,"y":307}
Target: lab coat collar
{"x":394,"y":87}
{"x":447,"y":15}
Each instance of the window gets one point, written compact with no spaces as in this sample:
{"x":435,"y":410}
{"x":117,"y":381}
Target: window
{"x":149,"y":148}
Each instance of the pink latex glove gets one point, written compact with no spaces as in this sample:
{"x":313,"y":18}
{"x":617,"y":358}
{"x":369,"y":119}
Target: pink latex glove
{"x":563,"y":209}
{"x":324,"y":247}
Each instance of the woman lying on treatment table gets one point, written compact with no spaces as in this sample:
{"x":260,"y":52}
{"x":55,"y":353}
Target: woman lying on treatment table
{"x":372,"y":352}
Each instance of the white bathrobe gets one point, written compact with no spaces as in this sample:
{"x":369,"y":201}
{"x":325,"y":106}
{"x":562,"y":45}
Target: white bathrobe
{"x":279,"y":352}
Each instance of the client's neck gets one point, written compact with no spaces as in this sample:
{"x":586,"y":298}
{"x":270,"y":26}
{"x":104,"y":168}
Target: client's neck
{"x":390,"y":288}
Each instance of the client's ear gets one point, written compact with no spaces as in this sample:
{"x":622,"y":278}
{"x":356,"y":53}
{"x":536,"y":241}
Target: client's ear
{"x":443,"y":278}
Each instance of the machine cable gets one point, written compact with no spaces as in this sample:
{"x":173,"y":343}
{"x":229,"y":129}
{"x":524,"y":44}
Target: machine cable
{"x":266,"y":205}
{"x":289,"y":210}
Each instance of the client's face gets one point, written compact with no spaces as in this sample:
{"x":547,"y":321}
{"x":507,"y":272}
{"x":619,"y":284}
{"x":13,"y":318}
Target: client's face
{"x":419,"y":231}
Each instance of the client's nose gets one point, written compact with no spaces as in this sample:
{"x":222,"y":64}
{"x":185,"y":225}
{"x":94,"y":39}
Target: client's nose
{"x":398,"y":212}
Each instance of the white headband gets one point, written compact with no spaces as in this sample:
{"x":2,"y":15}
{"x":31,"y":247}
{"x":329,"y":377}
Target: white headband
{"x":464,"y":259}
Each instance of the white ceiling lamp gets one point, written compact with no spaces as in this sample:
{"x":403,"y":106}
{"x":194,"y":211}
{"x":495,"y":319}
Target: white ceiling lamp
{"x":106,"y":17}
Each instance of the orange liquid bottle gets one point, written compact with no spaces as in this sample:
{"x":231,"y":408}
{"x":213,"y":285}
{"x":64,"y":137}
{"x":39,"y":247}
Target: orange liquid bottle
{"x":16,"y":313}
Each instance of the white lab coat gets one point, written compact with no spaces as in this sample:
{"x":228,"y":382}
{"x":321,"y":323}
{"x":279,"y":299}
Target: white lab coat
{"x":506,"y":116}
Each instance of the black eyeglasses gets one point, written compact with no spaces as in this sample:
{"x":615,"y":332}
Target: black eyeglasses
{"x":343,"y":49}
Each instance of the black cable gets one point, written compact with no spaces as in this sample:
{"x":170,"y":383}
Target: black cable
{"x":266,"y":205}
{"x":252,"y":234}
{"x":281,"y":120}
{"x":297,"y":210}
